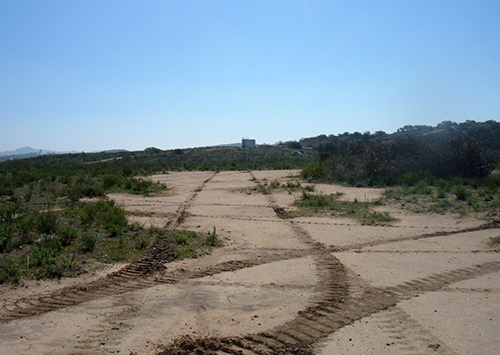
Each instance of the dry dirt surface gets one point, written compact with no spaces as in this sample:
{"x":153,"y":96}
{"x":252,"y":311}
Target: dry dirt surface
{"x":424,"y":284}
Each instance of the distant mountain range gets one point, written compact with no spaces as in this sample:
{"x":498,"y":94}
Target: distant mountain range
{"x":28,"y":152}
{"x":229,"y":145}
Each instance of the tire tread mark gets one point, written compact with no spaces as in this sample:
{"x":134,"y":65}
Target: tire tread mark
{"x":337,"y":308}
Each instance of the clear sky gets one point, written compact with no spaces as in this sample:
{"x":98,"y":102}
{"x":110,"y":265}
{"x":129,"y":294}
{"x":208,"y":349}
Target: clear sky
{"x":93,"y":75}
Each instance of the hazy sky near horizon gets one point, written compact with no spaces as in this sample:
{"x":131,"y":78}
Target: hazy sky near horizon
{"x":91,"y":75}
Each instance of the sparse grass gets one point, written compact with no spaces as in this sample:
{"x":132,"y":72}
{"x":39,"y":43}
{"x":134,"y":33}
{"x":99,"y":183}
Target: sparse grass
{"x":49,"y":257}
{"x":193,"y":244}
{"x":481,"y":198}
{"x":212,"y":239}
{"x":250,"y":190}
{"x":311,"y":204}
{"x":289,"y":186}
{"x":495,"y":241}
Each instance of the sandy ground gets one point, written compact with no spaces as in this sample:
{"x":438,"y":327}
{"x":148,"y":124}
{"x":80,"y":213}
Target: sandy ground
{"x":320,"y":285}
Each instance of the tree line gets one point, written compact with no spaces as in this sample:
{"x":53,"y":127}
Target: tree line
{"x":468,"y":150}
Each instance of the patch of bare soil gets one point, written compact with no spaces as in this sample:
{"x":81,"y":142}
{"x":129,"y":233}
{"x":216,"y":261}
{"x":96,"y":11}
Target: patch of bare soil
{"x":280,"y":285}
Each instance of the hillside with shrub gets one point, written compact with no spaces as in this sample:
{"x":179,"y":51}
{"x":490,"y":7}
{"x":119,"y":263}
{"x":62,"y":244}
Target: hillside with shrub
{"x":468,"y":150}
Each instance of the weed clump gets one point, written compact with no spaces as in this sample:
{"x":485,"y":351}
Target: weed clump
{"x":311,"y":204}
{"x":495,"y":241}
{"x":10,"y":272}
{"x":459,"y":196}
{"x":193,"y":244}
{"x":461,"y":193}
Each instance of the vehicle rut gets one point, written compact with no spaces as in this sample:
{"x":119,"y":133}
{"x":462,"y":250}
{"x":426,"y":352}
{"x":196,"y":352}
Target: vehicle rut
{"x":341,"y":300}
{"x":140,"y":274}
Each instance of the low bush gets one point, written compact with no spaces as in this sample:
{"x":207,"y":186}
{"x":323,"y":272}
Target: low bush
{"x":311,"y":204}
{"x":10,"y":272}
{"x":315,"y":171}
{"x":461,"y":193}
{"x":66,"y":235}
{"x":88,"y":241}
{"x":5,"y":239}
{"x":460,"y":196}
{"x":46,"y":251}
{"x":46,"y":222}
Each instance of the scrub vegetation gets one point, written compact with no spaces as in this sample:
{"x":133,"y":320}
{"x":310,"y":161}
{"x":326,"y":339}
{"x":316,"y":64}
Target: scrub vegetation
{"x":59,"y":237}
{"x":55,"y":217}
{"x":320,"y":204}
{"x":449,"y":151}
{"x":459,"y":196}
{"x":445,"y":169}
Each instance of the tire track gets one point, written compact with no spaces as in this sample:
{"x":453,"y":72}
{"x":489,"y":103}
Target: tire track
{"x":136,"y":275}
{"x":486,"y":226}
{"x":408,"y":336}
{"x":339,"y":303}
{"x":298,"y":335}
{"x":301,"y":335}
{"x":182,"y":212}
{"x":124,"y":281}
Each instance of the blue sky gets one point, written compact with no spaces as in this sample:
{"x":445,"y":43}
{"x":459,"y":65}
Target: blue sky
{"x":93,"y":75}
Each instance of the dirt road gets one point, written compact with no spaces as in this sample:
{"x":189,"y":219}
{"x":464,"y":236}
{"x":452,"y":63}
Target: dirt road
{"x":317,"y":285}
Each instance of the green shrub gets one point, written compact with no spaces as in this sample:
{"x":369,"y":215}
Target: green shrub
{"x":88,"y":241}
{"x":314,"y":171}
{"x":141,"y":243}
{"x":46,"y":252}
{"x":28,"y":195}
{"x":421,"y":188}
{"x":275,"y":184}
{"x":8,"y":212}
{"x":139,"y":186}
{"x":66,"y":235}
{"x":113,"y":219}
{"x":309,"y":188}
{"x":461,"y":193}
{"x":187,"y":253}
{"x":181,"y":238}
{"x":115,"y":223}
{"x":495,"y":241}
{"x":11,"y":272}
{"x":26,"y":229}
{"x":5,"y":239}
{"x":441,"y":193}
{"x":317,"y":201}
{"x":46,"y":222}
{"x":111,"y":180}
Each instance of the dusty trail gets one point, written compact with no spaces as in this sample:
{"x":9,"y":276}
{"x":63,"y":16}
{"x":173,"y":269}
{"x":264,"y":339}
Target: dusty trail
{"x":282,"y":285}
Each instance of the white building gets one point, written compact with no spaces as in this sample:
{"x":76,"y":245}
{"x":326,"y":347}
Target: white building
{"x":248,"y":143}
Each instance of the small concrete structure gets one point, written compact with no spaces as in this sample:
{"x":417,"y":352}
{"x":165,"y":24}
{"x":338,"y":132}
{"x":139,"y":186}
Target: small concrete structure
{"x":248,"y":143}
